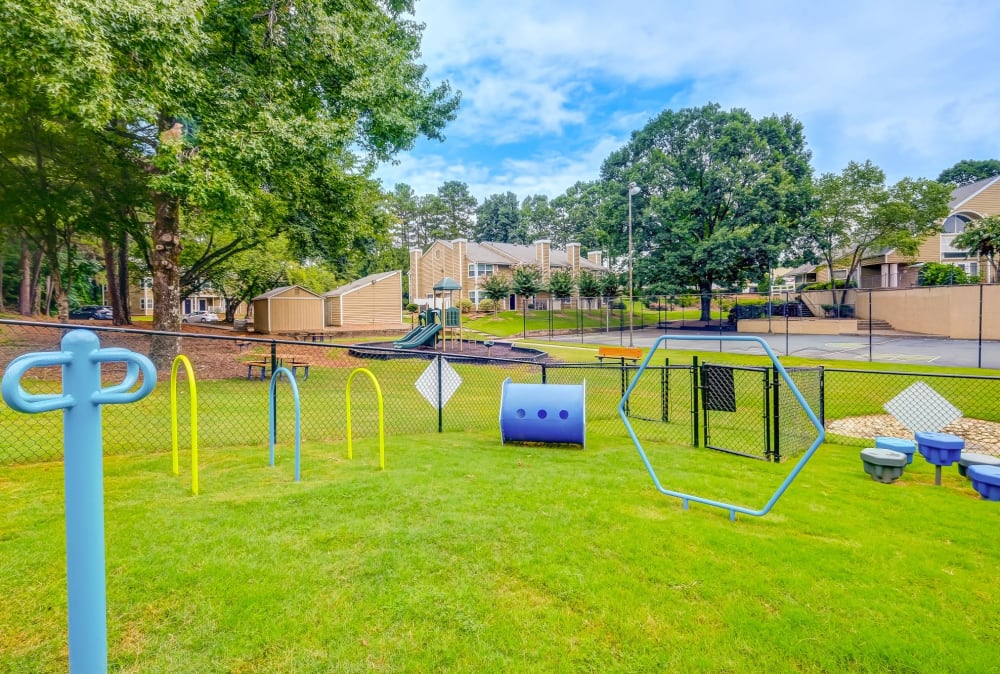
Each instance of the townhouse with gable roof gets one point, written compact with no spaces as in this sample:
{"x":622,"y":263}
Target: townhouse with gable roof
{"x":469,"y":262}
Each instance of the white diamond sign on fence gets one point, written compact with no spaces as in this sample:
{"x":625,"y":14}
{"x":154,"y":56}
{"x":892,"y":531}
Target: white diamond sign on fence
{"x":427,"y":383}
{"x":922,"y":409}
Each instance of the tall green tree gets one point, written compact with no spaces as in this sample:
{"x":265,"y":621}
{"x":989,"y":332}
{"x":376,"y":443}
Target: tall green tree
{"x":721,"y":194}
{"x":857,"y":214}
{"x":538,"y":221}
{"x":526,"y":281}
{"x":584,"y":214}
{"x":497,"y":288}
{"x":459,"y":210}
{"x":498,"y":219}
{"x":982,"y":238}
{"x":272,"y":115}
{"x":561,"y":283}
{"x":589,"y":285}
{"x":969,"y":171}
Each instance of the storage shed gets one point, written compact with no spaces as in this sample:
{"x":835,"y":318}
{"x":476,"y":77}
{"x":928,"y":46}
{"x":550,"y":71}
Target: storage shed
{"x":288,"y":309}
{"x":376,"y":299}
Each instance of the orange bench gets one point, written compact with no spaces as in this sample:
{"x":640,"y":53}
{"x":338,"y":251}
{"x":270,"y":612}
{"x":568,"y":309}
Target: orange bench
{"x":620,"y":353}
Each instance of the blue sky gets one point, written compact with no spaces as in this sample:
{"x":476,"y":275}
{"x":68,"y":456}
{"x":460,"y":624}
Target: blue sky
{"x":551,"y":87}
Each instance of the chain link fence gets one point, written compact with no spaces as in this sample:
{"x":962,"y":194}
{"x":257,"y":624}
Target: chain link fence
{"x":684,"y":404}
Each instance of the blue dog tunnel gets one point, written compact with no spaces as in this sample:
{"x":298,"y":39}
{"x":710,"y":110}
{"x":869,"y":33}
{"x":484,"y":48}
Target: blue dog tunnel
{"x":542,"y":413}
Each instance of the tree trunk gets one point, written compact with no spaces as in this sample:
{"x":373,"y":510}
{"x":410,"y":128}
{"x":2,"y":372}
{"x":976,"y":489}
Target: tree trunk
{"x":123,"y":287}
{"x":166,"y":279}
{"x":706,"y":301}
{"x":36,"y":275}
{"x":111,"y":270}
{"x":24,"y":296}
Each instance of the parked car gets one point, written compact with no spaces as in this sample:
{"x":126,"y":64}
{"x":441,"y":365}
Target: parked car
{"x":200,"y":317}
{"x":88,"y":311}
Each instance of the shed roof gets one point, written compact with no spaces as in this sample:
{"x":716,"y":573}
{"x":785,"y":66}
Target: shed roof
{"x":277,"y":292}
{"x":361,"y":283}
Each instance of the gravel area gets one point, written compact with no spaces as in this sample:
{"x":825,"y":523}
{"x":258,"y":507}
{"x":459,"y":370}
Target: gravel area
{"x":980,"y":436}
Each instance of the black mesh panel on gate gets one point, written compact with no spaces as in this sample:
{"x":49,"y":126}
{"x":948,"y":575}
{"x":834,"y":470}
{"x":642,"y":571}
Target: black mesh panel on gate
{"x":735,"y":409}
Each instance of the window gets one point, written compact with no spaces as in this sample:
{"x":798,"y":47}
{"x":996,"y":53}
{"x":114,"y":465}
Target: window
{"x":480,"y":269}
{"x":145,"y":304}
{"x":955,"y":224}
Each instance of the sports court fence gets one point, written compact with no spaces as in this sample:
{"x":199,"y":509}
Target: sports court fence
{"x":743,"y":410}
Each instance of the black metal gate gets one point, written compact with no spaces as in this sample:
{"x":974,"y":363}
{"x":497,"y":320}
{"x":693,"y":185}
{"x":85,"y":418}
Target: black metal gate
{"x":736,"y":409}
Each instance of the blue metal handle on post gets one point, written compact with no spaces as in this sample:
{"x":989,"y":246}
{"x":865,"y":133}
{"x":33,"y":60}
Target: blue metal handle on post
{"x":82,"y":396}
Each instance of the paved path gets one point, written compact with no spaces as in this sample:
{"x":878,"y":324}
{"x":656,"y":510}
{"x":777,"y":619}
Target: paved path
{"x":885,"y":346}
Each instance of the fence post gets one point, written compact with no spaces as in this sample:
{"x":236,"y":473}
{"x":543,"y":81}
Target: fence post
{"x":440,"y":396}
{"x":665,"y":391}
{"x":544,"y":374}
{"x":869,"y":324}
{"x":274,"y":366}
{"x":980,"y":363}
{"x":822,"y":395}
{"x":624,"y":383}
{"x":776,"y":413}
{"x":695,"y":385}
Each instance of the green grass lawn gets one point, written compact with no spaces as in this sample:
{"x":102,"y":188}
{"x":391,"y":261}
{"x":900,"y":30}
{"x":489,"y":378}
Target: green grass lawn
{"x":513,"y":323}
{"x":467,"y":556}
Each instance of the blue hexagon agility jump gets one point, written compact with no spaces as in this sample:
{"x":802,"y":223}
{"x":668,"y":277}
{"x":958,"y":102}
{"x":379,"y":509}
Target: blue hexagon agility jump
{"x":686,"y":498}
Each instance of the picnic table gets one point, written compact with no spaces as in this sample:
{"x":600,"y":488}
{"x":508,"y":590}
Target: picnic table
{"x":290,"y":361}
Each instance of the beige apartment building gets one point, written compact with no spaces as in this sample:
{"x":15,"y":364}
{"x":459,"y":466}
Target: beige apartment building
{"x":470,"y":263}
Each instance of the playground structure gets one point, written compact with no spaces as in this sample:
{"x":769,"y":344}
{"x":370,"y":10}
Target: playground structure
{"x":548,"y":413}
{"x":272,"y":417}
{"x":426,"y":334}
{"x":433,"y":322}
{"x":381,"y":415}
{"x":687,"y":498}
{"x":193,"y":393}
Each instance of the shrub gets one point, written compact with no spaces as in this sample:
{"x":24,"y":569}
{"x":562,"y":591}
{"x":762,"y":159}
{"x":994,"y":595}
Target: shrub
{"x":465,"y":305}
{"x":839,"y":310}
{"x":486,"y":304}
{"x":939,"y":274}
{"x":412,"y":308}
{"x":756,"y":307}
{"x":825,"y":285}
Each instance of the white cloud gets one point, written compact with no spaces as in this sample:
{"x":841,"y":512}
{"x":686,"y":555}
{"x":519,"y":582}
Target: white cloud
{"x":906,"y":84}
{"x":550,"y":174}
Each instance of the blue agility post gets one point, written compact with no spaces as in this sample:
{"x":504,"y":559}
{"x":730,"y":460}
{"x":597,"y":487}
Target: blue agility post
{"x":81,"y":401}
{"x":685,"y":498}
{"x":272,"y":412}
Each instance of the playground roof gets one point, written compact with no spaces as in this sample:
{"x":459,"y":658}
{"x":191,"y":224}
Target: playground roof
{"x":447,"y":283}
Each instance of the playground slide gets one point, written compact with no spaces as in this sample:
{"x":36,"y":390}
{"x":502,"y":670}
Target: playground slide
{"x":419,"y":337}
{"x":410,"y":337}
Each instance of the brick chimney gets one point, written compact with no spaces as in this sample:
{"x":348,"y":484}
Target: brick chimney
{"x":460,"y":246}
{"x":596,"y":257}
{"x":542,"y":250}
{"x":416,"y":255}
{"x":573,"y":253}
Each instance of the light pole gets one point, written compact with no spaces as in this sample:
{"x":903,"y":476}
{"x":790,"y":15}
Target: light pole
{"x":633,"y":189}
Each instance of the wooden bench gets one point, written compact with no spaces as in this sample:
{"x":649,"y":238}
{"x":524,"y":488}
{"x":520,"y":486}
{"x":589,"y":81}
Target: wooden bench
{"x":295,"y":362}
{"x":619,"y":353}
{"x":262,"y":365}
